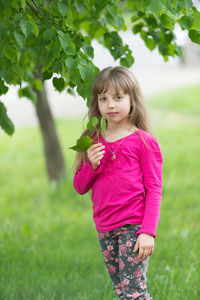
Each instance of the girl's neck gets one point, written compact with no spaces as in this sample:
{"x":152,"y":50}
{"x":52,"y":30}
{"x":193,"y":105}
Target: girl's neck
{"x":114,"y":133}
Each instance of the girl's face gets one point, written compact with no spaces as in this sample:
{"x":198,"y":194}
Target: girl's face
{"x":115,"y":107}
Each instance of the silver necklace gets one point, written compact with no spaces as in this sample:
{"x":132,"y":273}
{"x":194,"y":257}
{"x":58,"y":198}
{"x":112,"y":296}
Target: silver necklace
{"x":113,"y":152}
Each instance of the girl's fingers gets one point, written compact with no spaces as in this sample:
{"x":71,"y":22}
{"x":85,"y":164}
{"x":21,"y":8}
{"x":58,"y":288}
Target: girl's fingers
{"x":145,"y":252}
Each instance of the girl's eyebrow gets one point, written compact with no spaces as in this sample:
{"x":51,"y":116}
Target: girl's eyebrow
{"x":121,"y":93}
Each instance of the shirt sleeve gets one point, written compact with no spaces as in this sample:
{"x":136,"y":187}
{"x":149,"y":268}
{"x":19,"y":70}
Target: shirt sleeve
{"x":151,"y":164}
{"x":84,"y":178}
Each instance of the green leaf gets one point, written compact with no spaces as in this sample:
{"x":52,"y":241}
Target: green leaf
{"x":82,"y":144}
{"x":138,"y":25}
{"x":18,"y":70}
{"x":71,"y":49}
{"x":6,"y":3}
{"x":20,"y":38}
{"x":35,"y":27}
{"x":37,"y":84}
{"x":71,"y":92}
{"x":47,"y":74}
{"x":65,"y":41}
{"x":5,"y":122}
{"x":3,"y":28}
{"x":103,"y":124}
{"x":28,"y":92}
{"x":155,"y":5}
{"x":112,"y":10}
{"x":196,"y":24}
{"x":49,"y":34}
{"x":3,"y":88}
{"x":85,"y":72}
{"x":186,"y":22}
{"x":15,"y":5}
{"x":10,"y":52}
{"x":168,"y":20}
{"x":92,"y":123}
{"x":127,"y":61}
{"x":26,"y":27}
{"x":150,"y":43}
{"x":118,"y":22}
{"x":88,"y":50}
{"x":179,"y":51}
{"x":23,"y":3}
{"x":63,"y":7}
{"x":84,"y":89}
{"x":194,"y":35}
{"x":71,"y":64}
{"x":59,"y":83}
{"x":57,"y":66}
{"x":55,"y":47}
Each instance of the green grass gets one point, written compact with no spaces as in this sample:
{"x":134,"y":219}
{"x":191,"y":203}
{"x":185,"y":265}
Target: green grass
{"x":48,"y":242}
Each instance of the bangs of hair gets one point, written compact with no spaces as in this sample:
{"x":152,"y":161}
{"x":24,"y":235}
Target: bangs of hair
{"x":111,"y":80}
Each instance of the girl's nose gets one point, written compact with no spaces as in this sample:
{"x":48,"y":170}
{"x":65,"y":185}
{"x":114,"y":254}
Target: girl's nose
{"x":111,"y":103}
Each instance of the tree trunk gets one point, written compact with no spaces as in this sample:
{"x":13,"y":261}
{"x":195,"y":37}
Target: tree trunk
{"x":53,"y":154}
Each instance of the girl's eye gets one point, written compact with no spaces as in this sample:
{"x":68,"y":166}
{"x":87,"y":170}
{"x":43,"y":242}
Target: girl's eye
{"x":102,"y":99}
{"x":118,"y":97}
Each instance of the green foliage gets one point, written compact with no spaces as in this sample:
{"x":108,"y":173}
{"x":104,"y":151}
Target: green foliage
{"x":57,"y":35}
{"x":5,"y":122}
{"x":85,"y":142}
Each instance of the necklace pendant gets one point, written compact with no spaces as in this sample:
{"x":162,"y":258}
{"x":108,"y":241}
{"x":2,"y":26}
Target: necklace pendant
{"x":114,"y":156}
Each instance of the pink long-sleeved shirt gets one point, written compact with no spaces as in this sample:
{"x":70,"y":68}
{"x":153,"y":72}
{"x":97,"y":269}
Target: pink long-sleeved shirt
{"x":128,"y":189}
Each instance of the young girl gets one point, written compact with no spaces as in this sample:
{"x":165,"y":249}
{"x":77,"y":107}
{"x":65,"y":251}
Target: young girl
{"x":124,"y":171}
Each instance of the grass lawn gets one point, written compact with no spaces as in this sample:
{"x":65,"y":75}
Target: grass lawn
{"x":48,"y":243}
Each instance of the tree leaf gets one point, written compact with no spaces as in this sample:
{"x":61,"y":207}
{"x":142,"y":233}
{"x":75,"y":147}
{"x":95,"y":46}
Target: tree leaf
{"x":194,"y":35}
{"x":112,"y":10}
{"x":168,"y":20}
{"x":59,"y":83}
{"x":26,"y":27}
{"x":71,"y":64}
{"x":92,"y":123}
{"x":88,"y":50}
{"x":10,"y":52}
{"x":85,"y":72}
{"x":63,"y":7}
{"x":49,"y":34}
{"x":186,"y":22}
{"x":57,"y":66}
{"x":65,"y":41}
{"x":127,"y":61}
{"x":84,"y":89}
{"x":20,"y":38}
{"x":118,"y":22}
{"x":82,"y":144}
{"x":55,"y":47}
{"x":155,"y":5}
{"x":103,"y":124}
{"x":23,"y":3}
{"x":196,"y":24}
{"x":5,"y":122}
{"x":3,"y":88}
{"x":28,"y":93}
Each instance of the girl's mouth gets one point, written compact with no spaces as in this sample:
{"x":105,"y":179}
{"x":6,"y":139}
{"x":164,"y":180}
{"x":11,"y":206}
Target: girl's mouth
{"x":112,"y":114}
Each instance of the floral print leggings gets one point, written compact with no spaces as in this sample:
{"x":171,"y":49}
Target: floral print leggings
{"x":126,"y":271}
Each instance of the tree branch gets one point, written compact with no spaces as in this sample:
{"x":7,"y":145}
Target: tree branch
{"x":40,"y":13}
{"x":49,"y":13}
{"x":33,"y":9}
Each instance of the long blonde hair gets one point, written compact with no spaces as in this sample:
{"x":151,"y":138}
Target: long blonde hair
{"x":119,"y":78}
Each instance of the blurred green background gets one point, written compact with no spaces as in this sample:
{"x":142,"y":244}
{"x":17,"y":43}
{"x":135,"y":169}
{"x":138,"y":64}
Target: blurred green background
{"x":48,"y":243}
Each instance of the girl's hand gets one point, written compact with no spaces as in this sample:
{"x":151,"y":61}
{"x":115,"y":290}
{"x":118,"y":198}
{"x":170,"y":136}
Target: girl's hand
{"x":145,"y":245}
{"x":95,"y":154}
